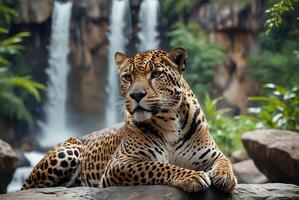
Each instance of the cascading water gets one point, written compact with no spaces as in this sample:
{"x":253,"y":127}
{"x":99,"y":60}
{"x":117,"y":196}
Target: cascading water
{"x":22,"y":173}
{"x":120,"y":27}
{"x":148,"y":22}
{"x":55,"y":129}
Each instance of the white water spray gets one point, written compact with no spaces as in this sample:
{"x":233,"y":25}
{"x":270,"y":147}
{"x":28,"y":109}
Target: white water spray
{"x":120,"y":26}
{"x":22,"y":173}
{"x":55,"y":129}
{"x":148,"y":23}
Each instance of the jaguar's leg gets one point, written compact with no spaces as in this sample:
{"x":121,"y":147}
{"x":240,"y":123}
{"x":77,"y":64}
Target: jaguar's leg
{"x":154,"y":173}
{"x":60,"y":167}
{"x":222,"y":175}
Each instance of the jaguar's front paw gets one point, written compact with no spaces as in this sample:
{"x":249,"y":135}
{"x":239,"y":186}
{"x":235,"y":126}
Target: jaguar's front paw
{"x":194,"y":182}
{"x":223,"y":180}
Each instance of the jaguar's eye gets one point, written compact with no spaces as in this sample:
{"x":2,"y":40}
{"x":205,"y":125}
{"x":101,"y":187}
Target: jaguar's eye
{"x":127,"y":77}
{"x":156,"y":74}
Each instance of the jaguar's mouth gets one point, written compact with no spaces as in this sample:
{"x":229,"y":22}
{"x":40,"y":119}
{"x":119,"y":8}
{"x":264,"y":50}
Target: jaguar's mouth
{"x":141,"y":114}
{"x":140,"y":109}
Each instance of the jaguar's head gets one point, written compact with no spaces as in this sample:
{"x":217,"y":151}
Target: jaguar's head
{"x":151,"y":82}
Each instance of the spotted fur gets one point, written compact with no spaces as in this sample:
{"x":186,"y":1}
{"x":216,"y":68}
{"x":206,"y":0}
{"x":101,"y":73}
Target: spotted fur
{"x":164,"y":139}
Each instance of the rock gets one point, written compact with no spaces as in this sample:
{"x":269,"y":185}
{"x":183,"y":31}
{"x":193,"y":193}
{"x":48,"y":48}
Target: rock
{"x":246,"y":172}
{"x":239,"y":89}
{"x":233,"y":26}
{"x":22,"y":160}
{"x":238,"y":156}
{"x":275,"y":153}
{"x":28,"y":143}
{"x":8,"y":133}
{"x":157,"y":192}
{"x":88,"y":59}
{"x":34,"y":11}
{"x":235,"y":15}
{"x":92,"y":8}
{"x":8,"y":165}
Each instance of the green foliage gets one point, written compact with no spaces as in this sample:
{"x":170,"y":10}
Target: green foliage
{"x":246,"y":2}
{"x":278,"y":60}
{"x":12,"y":103}
{"x":175,"y":8}
{"x":279,"y":108}
{"x":276,"y":13}
{"x":203,"y":55}
{"x":24,"y":83}
{"x":10,"y":45}
{"x":6,"y":12}
{"x":278,"y":67}
{"x":225,"y":130}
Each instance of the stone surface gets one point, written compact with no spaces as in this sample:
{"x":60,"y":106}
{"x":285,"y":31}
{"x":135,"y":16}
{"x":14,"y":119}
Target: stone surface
{"x":34,"y":11}
{"x":157,"y":192}
{"x":233,"y":26}
{"x":275,"y":153}
{"x":246,"y":172}
{"x":238,"y":156}
{"x":233,"y":15}
{"x":89,"y":66}
{"x":22,"y":160}
{"x":8,"y":165}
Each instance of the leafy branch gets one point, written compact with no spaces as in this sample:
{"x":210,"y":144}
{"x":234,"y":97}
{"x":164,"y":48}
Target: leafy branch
{"x":278,"y":109}
{"x":12,"y":104}
{"x":276,"y":13}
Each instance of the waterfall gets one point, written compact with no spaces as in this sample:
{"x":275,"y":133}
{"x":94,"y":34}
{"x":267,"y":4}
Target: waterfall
{"x":55,"y":129}
{"x":148,"y":22}
{"x":119,"y":29}
{"x":22,"y":173}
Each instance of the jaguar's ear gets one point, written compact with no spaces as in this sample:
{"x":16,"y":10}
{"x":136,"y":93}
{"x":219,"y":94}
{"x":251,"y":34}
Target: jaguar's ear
{"x":120,"y":59}
{"x":178,"y":56}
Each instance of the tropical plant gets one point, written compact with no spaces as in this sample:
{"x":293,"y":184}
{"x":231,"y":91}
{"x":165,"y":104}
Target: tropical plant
{"x":6,"y":12}
{"x":13,"y":87}
{"x":279,"y":67}
{"x":226,"y":130}
{"x":278,"y":108}
{"x":276,"y":13}
{"x":203,"y":55}
{"x":175,"y":8}
{"x":12,"y":105}
{"x":278,"y":61}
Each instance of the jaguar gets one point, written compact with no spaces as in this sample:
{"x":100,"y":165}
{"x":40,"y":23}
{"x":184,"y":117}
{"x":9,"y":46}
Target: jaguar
{"x":164,"y":138}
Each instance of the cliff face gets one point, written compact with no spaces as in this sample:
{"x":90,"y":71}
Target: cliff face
{"x":234,"y":28}
{"x":231,"y":26}
{"x":88,"y":58}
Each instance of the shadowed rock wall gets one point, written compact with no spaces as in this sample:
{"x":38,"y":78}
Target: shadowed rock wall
{"x":234,"y":28}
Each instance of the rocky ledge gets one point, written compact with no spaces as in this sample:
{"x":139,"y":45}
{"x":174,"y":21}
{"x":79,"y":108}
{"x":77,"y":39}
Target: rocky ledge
{"x":8,"y":165}
{"x":275,"y":153}
{"x":157,"y":192}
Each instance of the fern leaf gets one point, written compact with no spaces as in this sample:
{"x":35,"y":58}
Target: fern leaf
{"x":14,"y":107}
{"x":26,"y":83}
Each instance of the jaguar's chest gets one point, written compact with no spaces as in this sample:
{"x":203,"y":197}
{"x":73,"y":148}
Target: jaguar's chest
{"x":188,"y":155}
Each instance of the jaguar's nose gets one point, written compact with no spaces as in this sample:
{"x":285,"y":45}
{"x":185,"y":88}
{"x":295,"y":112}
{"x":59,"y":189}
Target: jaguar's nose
{"x":137,"y":96}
